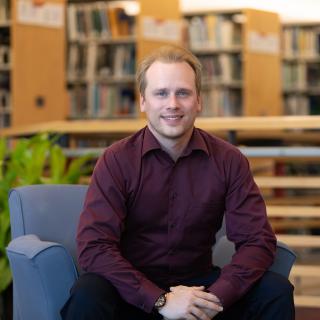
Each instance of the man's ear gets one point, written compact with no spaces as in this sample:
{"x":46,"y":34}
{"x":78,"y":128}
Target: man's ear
{"x":200,"y":103}
{"x":142,"y":103}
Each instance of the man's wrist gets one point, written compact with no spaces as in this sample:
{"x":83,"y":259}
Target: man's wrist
{"x":161,"y":301}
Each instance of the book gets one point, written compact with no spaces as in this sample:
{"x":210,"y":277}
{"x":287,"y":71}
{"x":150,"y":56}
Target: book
{"x":4,"y":99}
{"x":5,"y":55}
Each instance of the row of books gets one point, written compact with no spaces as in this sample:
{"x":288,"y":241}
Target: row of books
{"x":302,"y":105}
{"x":100,"y":20}
{"x":5,"y":81}
{"x":4,"y":55}
{"x":221,"y":102}
{"x":4,"y":99}
{"x":301,"y":42}
{"x":213,"y":32}
{"x":301,"y":75}
{"x":100,"y":61}
{"x":102,"y":101}
{"x":4,"y":120}
{"x":221,"y":68}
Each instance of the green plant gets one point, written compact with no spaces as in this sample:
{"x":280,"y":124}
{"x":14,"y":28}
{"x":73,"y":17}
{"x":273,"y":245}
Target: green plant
{"x":37,"y":160}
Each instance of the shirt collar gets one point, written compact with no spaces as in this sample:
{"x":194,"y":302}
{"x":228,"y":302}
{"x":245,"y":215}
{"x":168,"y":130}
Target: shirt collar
{"x":149,"y":142}
{"x":196,"y":143}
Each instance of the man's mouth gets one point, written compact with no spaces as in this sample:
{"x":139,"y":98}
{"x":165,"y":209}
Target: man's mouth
{"x":172,"y":117}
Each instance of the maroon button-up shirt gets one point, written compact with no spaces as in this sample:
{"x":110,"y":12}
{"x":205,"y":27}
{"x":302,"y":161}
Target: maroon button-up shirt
{"x":149,"y":222}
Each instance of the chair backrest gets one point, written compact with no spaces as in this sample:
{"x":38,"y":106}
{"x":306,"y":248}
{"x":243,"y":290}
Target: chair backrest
{"x":49,"y":211}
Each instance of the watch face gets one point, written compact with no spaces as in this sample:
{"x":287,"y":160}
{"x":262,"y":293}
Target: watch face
{"x":161,"y":301}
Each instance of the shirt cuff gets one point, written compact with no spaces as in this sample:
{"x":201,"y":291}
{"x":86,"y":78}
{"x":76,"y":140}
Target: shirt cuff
{"x":225,"y":292}
{"x":148,"y":295}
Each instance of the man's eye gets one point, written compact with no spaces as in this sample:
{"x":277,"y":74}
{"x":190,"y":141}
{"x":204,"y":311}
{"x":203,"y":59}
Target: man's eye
{"x":161,"y":93}
{"x":182,"y":93}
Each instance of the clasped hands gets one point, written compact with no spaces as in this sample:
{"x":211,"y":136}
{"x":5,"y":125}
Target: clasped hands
{"x":190,"y":303}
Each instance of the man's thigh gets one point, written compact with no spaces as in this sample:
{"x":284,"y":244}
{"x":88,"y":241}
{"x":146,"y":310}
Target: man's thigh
{"x":94,"y":297}
{"x":270,"y":298}
{"x":129,"y":312}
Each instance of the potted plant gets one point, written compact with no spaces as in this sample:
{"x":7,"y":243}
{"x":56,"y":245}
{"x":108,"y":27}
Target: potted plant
{"x":36,"y":160}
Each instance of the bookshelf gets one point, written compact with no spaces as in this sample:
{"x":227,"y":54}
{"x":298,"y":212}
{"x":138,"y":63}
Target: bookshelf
{"x":301,"y":68}
{"x":105,"y":40}
{"x":5,"y":64}
{"x":240,"y":54}
{"x":38,"y":47}
{"x":101,"y":59}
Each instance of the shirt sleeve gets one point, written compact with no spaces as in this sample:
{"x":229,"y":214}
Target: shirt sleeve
{"x":248,"y":227}
{"x":99,"y":232}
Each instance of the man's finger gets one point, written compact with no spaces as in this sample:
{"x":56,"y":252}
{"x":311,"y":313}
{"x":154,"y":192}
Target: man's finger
{"x":208,"y":304}
{"x":200,"y":314}
{"x":207,"y":296}
{"x":186,"y":288}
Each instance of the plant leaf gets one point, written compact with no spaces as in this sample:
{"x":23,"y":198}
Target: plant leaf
{"x":5,"y":273}
{"x":57,"y":164}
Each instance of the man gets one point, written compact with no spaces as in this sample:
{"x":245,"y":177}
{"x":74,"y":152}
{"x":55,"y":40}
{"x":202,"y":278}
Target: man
{"x":154,"y":205}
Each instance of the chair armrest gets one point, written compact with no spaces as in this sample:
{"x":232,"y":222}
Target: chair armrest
{"x":282,"y":264}
{"x":283,"y":260}
{"x":43,"y":274}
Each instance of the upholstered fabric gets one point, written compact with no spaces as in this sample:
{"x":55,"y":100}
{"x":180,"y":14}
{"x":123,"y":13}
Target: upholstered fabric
{"x":42,"y":252}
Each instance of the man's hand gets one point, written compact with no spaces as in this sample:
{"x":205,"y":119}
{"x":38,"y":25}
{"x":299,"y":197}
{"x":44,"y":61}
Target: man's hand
{"x":190,"y":303}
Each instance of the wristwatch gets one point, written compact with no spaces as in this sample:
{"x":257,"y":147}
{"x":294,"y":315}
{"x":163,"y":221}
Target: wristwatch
{"x":161,"y":301}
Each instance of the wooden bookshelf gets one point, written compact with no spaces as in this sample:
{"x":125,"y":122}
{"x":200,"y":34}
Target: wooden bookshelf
{"x":301,"y":68}
{"x":5,"y":64}
{"x":102,"y":55}
{"x":240,"y":52}
{"x":38,"y":75}
{"x":162,"y":14}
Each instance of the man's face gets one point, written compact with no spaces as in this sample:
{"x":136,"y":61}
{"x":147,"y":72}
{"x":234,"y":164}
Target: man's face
{"x":170,"y":101}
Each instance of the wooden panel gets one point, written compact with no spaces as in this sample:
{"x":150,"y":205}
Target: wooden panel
{"x":38,"y":72}
{"x":262,"y":71}
{"x":285,"y":224}
{"x":259,"y":123}
{"x":293,"y":211}
{"x":164,"y":10}
{"x":209,"y":124}
{"x":305,"y":270}
{"x":300,"y":241}
{"x":288,"y":182}
{"x":299,"y":200}
{"x":307,"y":301}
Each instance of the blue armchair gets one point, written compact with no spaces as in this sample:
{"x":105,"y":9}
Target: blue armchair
{"x":42,"y":252}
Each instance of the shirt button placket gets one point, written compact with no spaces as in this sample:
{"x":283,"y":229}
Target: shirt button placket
{"x":171,"y":221}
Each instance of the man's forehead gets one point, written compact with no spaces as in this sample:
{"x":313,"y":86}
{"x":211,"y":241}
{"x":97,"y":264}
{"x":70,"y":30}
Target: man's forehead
{"x":168,"y":88}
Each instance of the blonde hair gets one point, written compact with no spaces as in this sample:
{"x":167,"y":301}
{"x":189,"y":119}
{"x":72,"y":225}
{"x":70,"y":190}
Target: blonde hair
{"x":168,"y":54}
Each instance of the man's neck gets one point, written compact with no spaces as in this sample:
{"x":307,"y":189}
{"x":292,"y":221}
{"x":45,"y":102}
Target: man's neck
{"x":174,"y":147}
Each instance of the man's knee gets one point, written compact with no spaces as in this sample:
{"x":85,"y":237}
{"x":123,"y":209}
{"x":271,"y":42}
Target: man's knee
{"x":274,"y":285}
{"x":91,"y":295}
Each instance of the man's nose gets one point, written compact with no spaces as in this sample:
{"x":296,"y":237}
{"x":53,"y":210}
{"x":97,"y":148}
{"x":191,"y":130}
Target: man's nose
{"x":173,"y":101}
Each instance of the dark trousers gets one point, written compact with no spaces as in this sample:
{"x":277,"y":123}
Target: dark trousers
{"x":93,"y":297}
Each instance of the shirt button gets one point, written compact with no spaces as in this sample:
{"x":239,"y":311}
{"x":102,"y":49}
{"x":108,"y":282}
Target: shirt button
{"x":173,"y":196}
{"x":172,"y":225}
